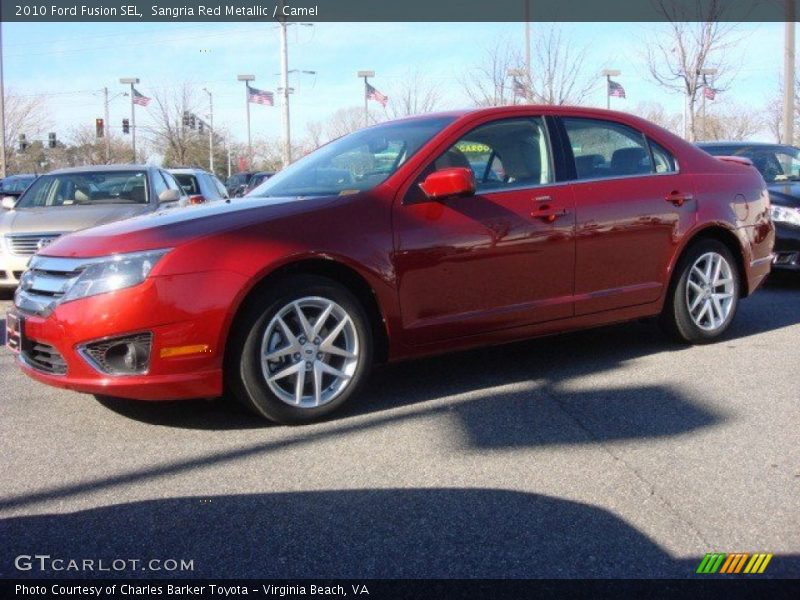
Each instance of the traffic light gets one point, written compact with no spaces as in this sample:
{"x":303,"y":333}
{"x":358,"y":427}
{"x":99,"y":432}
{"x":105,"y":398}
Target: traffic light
{"x":51,"y":140}
{"x":126,"y":126}
{"x":99,"y":127}
{"x":192,"y":122}
{"x":186,"y":118}
{"x":200,"y":126}
{"x":23,"y":142}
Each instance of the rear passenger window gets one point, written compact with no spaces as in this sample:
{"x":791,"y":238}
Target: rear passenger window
{"x":663,"y":161}
{"x":607,"y":149}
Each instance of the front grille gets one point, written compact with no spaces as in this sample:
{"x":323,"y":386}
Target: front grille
{"x":44,"y":357}
{"x":46,"y":281}
{"x":27,"y":244}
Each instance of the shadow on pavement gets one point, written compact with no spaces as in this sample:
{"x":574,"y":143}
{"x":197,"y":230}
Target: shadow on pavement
{"x":373,"y":533}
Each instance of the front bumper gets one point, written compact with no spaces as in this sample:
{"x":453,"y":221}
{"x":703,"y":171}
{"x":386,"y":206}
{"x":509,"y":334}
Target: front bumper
{"x":180,"y":311}
{"x":787,"y":248}
{"x":11,"y":268}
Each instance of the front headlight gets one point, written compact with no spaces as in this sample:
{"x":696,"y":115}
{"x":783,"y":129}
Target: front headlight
{"x":96,"y":275}
{"x":785,"y":214}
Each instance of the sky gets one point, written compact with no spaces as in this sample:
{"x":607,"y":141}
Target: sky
{"x":70,"y":63}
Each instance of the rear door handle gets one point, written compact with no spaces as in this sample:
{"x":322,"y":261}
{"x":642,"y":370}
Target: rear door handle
{"x":679,"y":199}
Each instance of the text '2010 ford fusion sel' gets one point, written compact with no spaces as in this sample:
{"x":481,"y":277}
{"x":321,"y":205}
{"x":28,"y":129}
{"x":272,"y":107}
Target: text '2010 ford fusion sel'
{"x":408,"y":238}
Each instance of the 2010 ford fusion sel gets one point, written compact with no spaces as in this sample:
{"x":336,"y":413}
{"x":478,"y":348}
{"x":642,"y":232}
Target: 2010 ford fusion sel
{"x":408,"y":238}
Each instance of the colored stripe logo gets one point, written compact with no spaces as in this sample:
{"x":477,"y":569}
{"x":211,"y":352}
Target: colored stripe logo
{"x":731,"y":564}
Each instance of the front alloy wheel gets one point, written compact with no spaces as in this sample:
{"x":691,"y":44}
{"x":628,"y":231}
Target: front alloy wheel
{"x":300,"y":349}
{"x":709,"y":291}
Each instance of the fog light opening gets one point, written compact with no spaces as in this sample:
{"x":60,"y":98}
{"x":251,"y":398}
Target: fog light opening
{"x":127,"y":355}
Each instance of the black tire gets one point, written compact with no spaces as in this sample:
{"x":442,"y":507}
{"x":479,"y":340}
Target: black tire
{"x":244,"y":376}
{"x":676,"y":318}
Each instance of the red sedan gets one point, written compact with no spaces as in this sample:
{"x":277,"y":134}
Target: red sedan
{"x":408,"y":238}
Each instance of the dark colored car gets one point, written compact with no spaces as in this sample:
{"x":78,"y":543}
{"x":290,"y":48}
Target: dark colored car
{"x":15,"y":185}
{"x":256,"y":180}
{"x":779,"y":165}
{"x":201,"y":186}
{"x":384,"y":245}
{"x":236,"y":184}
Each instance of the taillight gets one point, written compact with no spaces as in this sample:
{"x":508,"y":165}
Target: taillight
{"x":196,"y":199}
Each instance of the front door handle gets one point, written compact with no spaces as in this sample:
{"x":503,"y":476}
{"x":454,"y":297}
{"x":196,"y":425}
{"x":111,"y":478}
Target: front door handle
{"x":548,"y":214}
{"x":678,"y":199}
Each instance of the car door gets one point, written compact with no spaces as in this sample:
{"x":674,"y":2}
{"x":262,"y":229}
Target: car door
{"x":632,"y":203}
{"x":502,"y":257}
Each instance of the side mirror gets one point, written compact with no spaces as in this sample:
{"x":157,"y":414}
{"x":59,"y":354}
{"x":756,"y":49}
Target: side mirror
{"x":456,"y":181}
{"x":169,"y":196}
{"x":9,"y":202}
{"x":240,"y":191}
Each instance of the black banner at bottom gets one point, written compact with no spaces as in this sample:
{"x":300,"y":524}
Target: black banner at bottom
{"x":417,"y":589}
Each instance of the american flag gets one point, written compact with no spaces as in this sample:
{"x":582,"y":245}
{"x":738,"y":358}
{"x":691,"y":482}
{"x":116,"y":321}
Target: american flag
{"x":615,"y":90}
{"x":140,"y":99}
{"x":709,"y":92}
{"x":519,"y":88}
{"x":260,"y":96}
{"x":373,"y":94}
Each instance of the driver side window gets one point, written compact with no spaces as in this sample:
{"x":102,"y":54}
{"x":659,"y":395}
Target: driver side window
{"x":508,"y":153}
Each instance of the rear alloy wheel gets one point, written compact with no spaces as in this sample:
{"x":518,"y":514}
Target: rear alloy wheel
{"x":703,"y":303}
{"x":304,"y":354}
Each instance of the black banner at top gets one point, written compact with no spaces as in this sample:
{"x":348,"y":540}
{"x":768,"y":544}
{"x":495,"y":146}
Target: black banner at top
{"x":134,"y":11}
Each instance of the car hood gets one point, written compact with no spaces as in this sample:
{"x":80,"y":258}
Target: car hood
{"x":168,"y":228}
{"x":60,"y":219}
{"x":785,"y":193}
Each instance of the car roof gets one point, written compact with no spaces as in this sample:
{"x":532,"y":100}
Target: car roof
{"x":102,"y":169}
{"x":739,"y":143}
{"x":187,"y":171}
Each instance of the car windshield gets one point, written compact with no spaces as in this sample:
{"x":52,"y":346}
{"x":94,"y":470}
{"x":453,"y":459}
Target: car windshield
{"x":15,"y":184}
{"x":355,"y":162}
{"x":73,"y":189}
{"x":775,"y":163}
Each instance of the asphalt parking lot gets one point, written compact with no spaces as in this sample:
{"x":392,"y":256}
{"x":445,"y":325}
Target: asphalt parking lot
{"x":609,"y":453}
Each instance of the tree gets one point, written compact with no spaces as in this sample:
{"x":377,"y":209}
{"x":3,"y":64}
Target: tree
{"x":558,"y":72}
{"x":488,"y":83}
{"x":656,"y":113}
{"x":691,"y":43}
{"x":416,"y":95}
{"x":178,"y":144}
{"x":88,"y":149}
{"x":731,"y":122}
{"x":23,"y":115}
{"x":773,"y":115}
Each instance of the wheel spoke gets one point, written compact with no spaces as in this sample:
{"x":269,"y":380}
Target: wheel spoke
{"x":696,"y":270}
{"x":338,"y":351}
{"x":287,"y":371}
{"x":709,"y":268}
{"x":697,"y":300}
{"x":717,"y":269}
{"x":326,"y":368}
{"x":300,"y":383}
{"x":317,"y":382}
{"x":720,"y":315}
{"x":307,"y":329}
{"x":701,"y":314}
{"x":280,"y":352}
{"x":723,"y":295}
{"x":694,"y":286}
{"x":320,"y":322}
{"x":327,"y":343}
{"x":287,"y":333}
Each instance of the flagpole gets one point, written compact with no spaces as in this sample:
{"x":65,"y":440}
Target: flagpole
{"x":365,"y":75}
{"x":247,"y":79}
{"x":107,"y":126}
{"x":608,"y":92}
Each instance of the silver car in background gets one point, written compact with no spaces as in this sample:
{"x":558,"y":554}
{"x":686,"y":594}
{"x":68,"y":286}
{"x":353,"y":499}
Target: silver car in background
{"x":66,"y":200}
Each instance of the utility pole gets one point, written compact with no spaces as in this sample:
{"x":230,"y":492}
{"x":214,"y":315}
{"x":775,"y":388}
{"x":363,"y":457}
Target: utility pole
{"x":247,"y":79}
{"x":366,"y":75}
{"x":2,"y":111}
{"x":211,"y":130}
{"x":229,"y":159}
{"x":788,"y":75}
{"x":107,"y":125}
{"x":287,"y":143}
{"x":132,"y":81}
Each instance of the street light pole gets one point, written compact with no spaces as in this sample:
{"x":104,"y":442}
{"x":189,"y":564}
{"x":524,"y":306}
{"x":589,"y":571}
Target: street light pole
{"x":287,"y":143}
{"x":132,"y":81}
{"x":107,"y":125}
{"x":365,"y":75}
{"x":528,"y":75}
{"x":704,"y":73}
{"x":247,"y":79}
{"x":211,"y":130}
{"x":788,"y":75}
